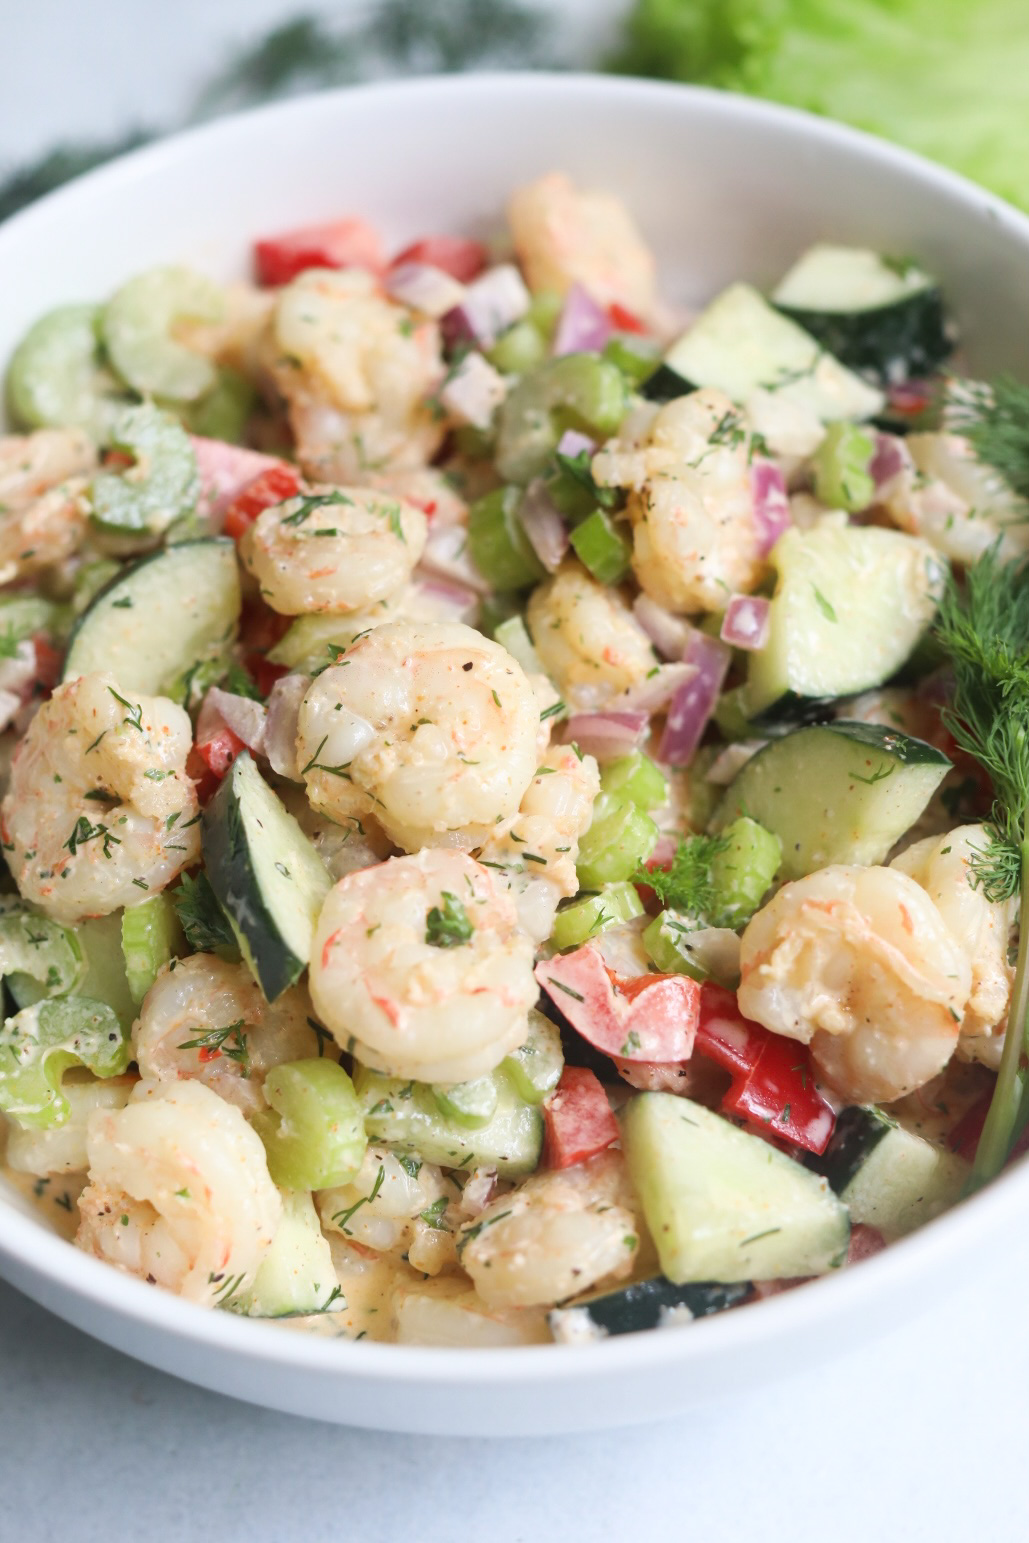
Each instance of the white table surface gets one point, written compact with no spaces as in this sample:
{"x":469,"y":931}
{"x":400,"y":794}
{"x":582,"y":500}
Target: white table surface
{"x":923,"y":1436}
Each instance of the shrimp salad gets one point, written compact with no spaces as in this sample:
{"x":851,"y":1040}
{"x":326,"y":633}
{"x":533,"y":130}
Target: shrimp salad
{"x":491,"y":855}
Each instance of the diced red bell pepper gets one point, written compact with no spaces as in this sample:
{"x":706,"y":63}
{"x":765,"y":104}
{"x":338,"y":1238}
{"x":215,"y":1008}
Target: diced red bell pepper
{"x":649,"y":1018}
{"x":773,"y":1084}
{"x":347,"y":243}
{"x":225,"y":470}
{"x":577,"y":1118}
{"x":263,"y":673}
{"x":624,"y":320}
{"x":271,"y":486}
{"x":910,"y":397}
{"x":463,"y":259}
{"x":219,"y":750}
{"x":48,"y":662}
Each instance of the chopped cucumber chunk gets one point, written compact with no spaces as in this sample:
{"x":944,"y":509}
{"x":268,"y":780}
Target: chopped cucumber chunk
{"x":835,"y":792}
{"x":888,"y":1176}
{"x":296,"y":1276}
{"x":723,"y":1205}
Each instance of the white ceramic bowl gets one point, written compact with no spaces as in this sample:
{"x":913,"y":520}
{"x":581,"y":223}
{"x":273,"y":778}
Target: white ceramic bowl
{"x":725,"y":188}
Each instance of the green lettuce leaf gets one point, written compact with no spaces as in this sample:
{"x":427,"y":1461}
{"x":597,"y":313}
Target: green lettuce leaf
{"x":944,"y":77}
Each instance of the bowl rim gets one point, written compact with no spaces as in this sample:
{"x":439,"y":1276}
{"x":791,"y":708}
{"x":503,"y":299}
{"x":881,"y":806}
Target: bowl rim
{"x":35,"y":1251}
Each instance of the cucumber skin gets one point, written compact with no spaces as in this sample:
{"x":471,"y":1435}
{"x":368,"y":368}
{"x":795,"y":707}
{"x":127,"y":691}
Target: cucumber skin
{"x":857,"y":1133}
{"x":898,"y":341}
{"x":230,"y":874}
{"x":512,"y":1141}
{"x":639,"y":1305}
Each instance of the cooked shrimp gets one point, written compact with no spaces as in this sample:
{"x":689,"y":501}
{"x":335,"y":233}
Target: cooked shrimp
{"x":587,"y":638}
{"x":384,"y":1208}
{"x":44,"y":513}
{"x":419,"y":969}
{"x":941,"y":865}
{"x":537,"y":848}
{"x":944,"y":493}
{"x":179,"y":1192}
{"x":563,"y":237}
{"x":99,"y":807}
{"x":858,"y":963}
{"x":356,"y":371}
{"x":554,"y":1236}
{"x":337,"y":549}
{"x":428,"y":727}
{"x":695,"y":541}
{"x":205,"y":1019}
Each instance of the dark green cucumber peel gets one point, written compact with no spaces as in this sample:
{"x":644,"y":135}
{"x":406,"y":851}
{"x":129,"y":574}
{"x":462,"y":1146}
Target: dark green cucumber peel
{"x":641,"y":1305}
{"x":665,"y":385}
{"x":901,"y":340}
{"x":858,"y":1131}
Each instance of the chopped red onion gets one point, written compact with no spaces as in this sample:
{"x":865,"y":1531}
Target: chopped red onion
{"x":446,"y":553}
{"x":583,"y":326}
{"x":424,"y":288}
{"x":449,"y":601}
{"x":572,"y":443}
{"x":473,"y":391}
{"x":245,"y":717}
{"x":891,"y":460}
{"x":280,"y":736}
{"x":606,"y":735}
{"x":771,"y":503}
{"x":489,"y":305}
{"x":541,"y":520}
{"x":656,"y":690}
{"x":693,"y":704}
{"x":669,"y":634}
{"x":10,"y":706}
{"x":729,"y":761}
{"x":225,"y":471}
{"x":746,"y":622}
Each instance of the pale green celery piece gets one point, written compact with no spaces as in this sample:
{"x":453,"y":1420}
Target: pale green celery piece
{"x":56,"y":377}
{"x":296,"y":1277}
{"x":405,"y":1116}
{"x":38,"y":957}
{"x":576,"y":391}
{"x":545,"y":310}
{"x":150,"y":937}
{"x":40,"y":1043}
{"x":535,"y":1068}
{"x":520,"y":349}
{"x":743,"y":871}
{"x":90,"y":580}
{"x":161,"y":487}
{"x":138,"y":324}
{"x":23,"y":615}
{"x":313,"y":1130}
{"x":590,"y":915}
{"x":223,"y":413}
{"x":513,"y":635}
{"x":193,"y":684}
{"x":841,"y":464}
{"x":497,"y":543}
{"x":668,"y":943}
{"x":636,"y":778}
{"x":472,"y":1104}
{"x":615,"y":845}
{"x":730,"y":714}
{"x":100,"y":940}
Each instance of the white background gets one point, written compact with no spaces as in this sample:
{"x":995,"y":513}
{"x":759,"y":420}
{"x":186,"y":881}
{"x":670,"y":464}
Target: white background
{"x":924,"y":1436}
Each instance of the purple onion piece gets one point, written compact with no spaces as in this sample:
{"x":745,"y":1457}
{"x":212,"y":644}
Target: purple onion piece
{"x":771,"y":503}
{"x":473,"y":391}
{"x":245,"y":717}
{"x":669,"y":634}
{"x":583,"y":326}
{"x":746,"y":622}
{"x":541,"y":520}
{"x":891,"y":459}
{"x":606,"y":735}
{"x":572,"y":443}
{"x":453,"y":601}
{"x":656,"y":690}
{"x":280,"y":737}
{"x":693,"y":704}
{"x":424,"y":288}
{"x":492,"y":303}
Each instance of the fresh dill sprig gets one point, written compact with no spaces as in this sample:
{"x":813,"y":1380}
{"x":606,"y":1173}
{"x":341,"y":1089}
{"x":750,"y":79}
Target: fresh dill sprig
{"x":995,"y":418}
{"x":983,"y":628}
{"x":688,"y":884}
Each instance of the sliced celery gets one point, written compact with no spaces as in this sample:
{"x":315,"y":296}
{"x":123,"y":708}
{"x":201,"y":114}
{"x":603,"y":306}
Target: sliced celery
{"x":615,"y":845}
{"x":636,"y":357}
{"x":513,"y":635}
{"x":471,"y":1104}
{"x":841,"y":462}
{"x":224,"y":411}
{"x":138,"y":327}
{"x":602,"y":548}
{"x":743,"y":870}
{"x":56,"y":377}
{"x":150,"y":937}
{"x":38,"y":957}
{"x":313,"y":1131}
{"x":161,"y":487}
{"x":40,"y":1043}
{"x":23,"y":615}
{"x":667,"y":941}
{"x":636,"y":778}
{"x":584,"y":918}
{"x":519,"y":349}
{"x":534,"y":1069}
{"x":497,"y":543}
{"x":576,"y":391}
